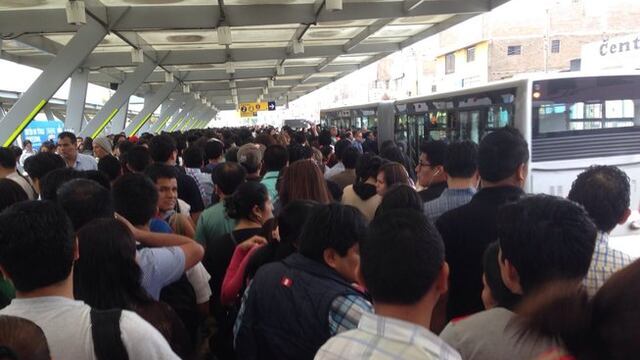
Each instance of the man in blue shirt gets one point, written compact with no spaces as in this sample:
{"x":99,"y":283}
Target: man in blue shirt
{"x":69,"y":152}
{"x":461,"y":168}
{"x":276,"y":157}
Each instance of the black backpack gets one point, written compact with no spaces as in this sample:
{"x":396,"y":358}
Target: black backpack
{"x":105,"y":330}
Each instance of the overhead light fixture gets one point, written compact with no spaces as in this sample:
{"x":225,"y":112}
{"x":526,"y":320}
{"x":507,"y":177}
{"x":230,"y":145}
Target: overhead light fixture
{"x":298,"y":46}
{"x":280,"y":69}
{"x":204,"y":101}
{"x":186,"y":89}
{"x":224,"y":35}
{"x":230,"y":68}
{"x":75,"y":12}
{"x":228,"y":101}
{"x":232,"y":84}
{"x":234,"y":92}
{"x":168,"y":77}
{"x":196,"y":96}
{"x":270,"y":83}
{"x":137,"y":56}
{"x":333,"y":5}
{"x":265,"y":90}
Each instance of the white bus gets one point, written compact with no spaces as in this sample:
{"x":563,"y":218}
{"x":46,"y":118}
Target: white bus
{"x":570,"y":121}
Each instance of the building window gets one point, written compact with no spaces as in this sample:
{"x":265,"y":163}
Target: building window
{"x":471,"y":54}
{"x":514,"y":50}
{"x":555,"y":46}
{"x":450,"y":63}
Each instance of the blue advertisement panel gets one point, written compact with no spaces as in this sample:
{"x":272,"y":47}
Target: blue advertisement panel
{"x":40,"y":131}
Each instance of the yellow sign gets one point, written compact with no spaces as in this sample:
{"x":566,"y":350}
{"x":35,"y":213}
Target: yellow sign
{"x":252,"y":108}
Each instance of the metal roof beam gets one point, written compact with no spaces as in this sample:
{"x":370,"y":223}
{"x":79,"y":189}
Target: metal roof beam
{"x":123,"y":18}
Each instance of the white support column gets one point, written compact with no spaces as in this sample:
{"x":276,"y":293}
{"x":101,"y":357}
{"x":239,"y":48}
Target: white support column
{"x":125,"y":90}
{"x":151,"y":103}
{"x":48,"y":113}
{"x":76,"y":100}
{"x":165,"y":115}
{"x":54,"y":75}
{"x":119,"y":121}
{"x":178,"y":118}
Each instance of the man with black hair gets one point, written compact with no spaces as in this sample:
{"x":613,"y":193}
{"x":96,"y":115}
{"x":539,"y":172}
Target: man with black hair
{"x":543,"y":239}
{"x":27,"y":151}
{"x":214,"y":221}
{"x":276,"y":158}
{"x":8,"y":170}
{"x":39,"y":165}
{"x":402,"y":266}
{"x":461,"y":170}
{"x":357,"y":141}
{"x":69,"y":152}
{"x":193,"y":161}
{"x":37,"y":251}
{"x":214,"y":155}
{"x":52,"y":182}
{"x":137,"y":159}
{"x":340,"y":147}
{"x":295,"y":305}
{"x":84,"y":200}
{"x":165,"y":179}
{"x":347,"y":177}
{"x":163,"y":150}
{"x":165,"y":257}
{"x":604,"y":191}
{"x":432,"y":179}
{"x":503,"y":157}
{"x":110,"y":166}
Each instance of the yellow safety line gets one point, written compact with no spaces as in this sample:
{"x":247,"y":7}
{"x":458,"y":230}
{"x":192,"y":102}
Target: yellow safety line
{"x":135,"y":131}
{"x":24,"y":123}
{"x":104,"y":124}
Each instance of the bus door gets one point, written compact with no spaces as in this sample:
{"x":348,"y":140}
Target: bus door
{"x":470,"y":125}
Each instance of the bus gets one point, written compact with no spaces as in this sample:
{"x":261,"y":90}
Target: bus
{"x":570,"y":121}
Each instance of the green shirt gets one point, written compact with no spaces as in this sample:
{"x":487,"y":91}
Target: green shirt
{"x":269,"y":180}
{"x":213,"y":223}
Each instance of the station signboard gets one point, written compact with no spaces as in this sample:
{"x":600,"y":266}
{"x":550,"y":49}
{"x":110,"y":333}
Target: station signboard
{"x":251,"y":109}
{"x":40,"y":131}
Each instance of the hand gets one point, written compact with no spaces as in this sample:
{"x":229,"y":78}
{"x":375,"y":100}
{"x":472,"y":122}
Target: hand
{"x":251,"y":242}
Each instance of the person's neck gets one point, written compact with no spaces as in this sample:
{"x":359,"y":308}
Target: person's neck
{"x":254,"y":175}
{"x":419,"y":313}
{"x":71,"y":161}
{"x":61,"y":289}
{"x":461,"y":183}
{"x":247,"y":224}
{"x":170,"y":162}
{"x":502,"y":183}
{"x":370,"y":181}
{"x":4,"y":172}
{"x":214,"y":161}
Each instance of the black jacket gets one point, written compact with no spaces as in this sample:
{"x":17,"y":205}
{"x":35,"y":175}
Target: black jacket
{"x":466,"y":232}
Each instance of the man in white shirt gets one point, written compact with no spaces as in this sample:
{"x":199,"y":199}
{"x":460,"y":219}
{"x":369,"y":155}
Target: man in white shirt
{"x":341,"y":146}
{"x":37,"y":252}
{"x":69,"y":152}
{"x":27,"y":151}
{"x":402,"y":265}
{"x":8,"y":170}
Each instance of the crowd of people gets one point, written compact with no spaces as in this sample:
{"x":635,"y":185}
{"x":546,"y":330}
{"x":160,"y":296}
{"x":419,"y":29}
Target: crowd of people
{"x":264,"y":243}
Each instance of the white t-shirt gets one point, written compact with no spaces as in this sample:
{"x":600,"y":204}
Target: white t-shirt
{"x":66,"y":324}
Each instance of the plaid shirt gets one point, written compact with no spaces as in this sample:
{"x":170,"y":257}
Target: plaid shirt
{"x":346,"y":311}
{"x":448,"y":200}
{"x":379,"y":337}
{"x":604,"y":263}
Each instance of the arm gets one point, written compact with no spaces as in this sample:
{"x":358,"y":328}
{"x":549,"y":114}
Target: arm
{"x":193,"y":252}
{"x":234,"y":276}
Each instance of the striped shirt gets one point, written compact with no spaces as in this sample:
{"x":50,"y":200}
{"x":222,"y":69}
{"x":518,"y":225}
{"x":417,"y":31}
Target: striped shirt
{"x":379,"y":337}
{"x":448,"y":200}
{"x":604,"y":263}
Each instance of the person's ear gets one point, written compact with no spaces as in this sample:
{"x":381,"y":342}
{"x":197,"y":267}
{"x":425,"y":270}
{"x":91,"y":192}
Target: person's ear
{"x":442,"y":281}
{"x":509,"y":275}
{"x":331,"y":257}
{"x":522,"y":172}
{"x":625,"y":217}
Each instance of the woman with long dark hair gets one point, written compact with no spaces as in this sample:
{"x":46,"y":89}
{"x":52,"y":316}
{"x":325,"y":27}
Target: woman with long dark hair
{"x":362,"y":194}
{"x":107,"y":276}
{"x":251,"y":207}
{"x":303,"y":180}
